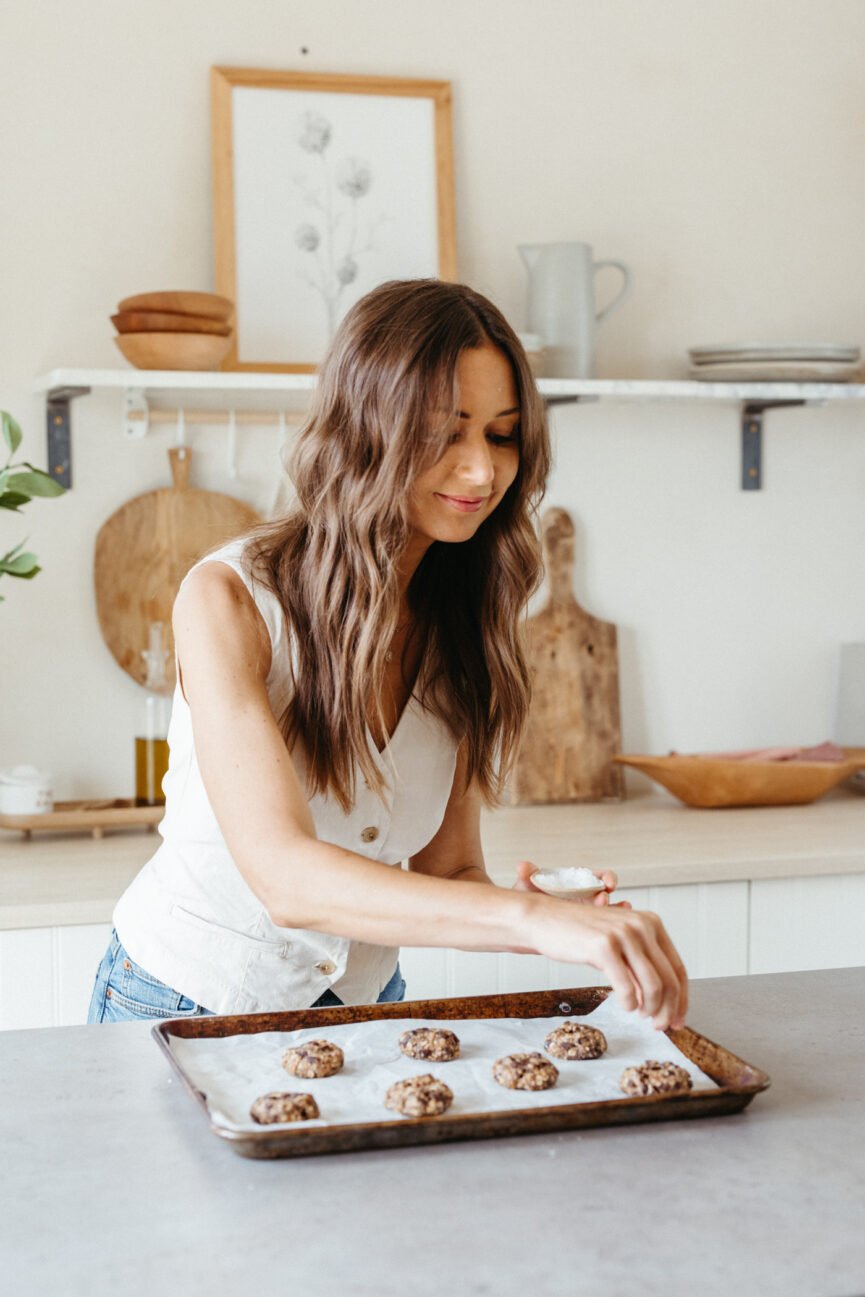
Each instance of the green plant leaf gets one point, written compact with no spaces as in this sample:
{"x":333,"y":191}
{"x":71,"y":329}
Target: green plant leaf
{"x":12,"y":434}
{"x":34,"y":482}
{"x":52,"y":486}
{"x":13,"y":500}
{"x":25,"y":566}
{"x":12,"y":552}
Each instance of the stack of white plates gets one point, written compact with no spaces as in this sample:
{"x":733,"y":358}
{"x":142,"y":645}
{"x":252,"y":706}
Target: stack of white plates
{"x":794,"y":362}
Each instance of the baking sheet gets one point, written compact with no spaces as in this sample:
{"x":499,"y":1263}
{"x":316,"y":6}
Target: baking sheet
{"x":232,"y":1071}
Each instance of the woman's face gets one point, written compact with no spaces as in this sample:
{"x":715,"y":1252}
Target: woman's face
{"x":481,"y":455}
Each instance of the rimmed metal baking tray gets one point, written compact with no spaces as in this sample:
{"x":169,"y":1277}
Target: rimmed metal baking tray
{"x":738,"y":1081}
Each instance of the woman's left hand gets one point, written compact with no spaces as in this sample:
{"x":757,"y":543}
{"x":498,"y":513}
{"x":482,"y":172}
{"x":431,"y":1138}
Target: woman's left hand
{"x":610,"y":880}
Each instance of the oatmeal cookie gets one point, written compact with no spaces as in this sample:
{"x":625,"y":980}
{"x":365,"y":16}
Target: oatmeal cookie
{"x":525,"y":1072}
{"x":419,"y":1096}
{"x":434,"y":1043}
{"x":314,"y":1058}
{"x":282,"y":1105}
{"x":575,"y":1040}
{"x":652,"y":1077}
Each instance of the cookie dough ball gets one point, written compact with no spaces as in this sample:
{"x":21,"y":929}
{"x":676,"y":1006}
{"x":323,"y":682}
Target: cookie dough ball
{"x":419,"y":1096}
{"x":575,"y":1040}
{"x":525,"y":1072}
{"x":315,"y":1058}
{"x":434,"y":1043}
{"x":652,"y":1077}
{"x":282,"y":1105}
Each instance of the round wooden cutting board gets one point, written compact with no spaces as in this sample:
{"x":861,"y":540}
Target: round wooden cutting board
{"x":145,"y":549}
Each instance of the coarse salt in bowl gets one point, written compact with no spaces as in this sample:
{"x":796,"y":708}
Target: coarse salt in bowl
{"x":573,"y":884}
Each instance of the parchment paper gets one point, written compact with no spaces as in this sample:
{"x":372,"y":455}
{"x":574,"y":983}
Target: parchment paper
{"x":234,"y":1070}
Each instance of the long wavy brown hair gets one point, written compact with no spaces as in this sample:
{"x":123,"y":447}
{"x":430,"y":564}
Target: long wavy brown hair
{"x":385,"y":399}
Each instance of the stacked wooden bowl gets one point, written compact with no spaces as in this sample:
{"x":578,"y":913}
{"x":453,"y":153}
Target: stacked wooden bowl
{"x":174,"y":330}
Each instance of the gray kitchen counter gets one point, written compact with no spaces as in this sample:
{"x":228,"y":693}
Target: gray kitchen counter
{"x":113,"y":1183}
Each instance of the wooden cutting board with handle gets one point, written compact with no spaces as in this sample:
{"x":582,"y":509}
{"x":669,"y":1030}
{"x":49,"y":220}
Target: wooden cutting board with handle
{"x":145,"y":549}
{"x":573,"y":730}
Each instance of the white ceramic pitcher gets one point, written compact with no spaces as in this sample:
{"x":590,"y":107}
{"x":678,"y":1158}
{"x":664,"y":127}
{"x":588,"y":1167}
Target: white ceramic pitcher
{"x":561,"y":306}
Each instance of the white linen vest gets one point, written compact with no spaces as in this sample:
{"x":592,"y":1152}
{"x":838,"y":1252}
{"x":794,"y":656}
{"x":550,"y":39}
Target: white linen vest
{"x":190,"y":919}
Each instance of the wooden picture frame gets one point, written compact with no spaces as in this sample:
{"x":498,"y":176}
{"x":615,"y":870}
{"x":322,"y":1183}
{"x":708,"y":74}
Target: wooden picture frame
{"x":324,"y":186}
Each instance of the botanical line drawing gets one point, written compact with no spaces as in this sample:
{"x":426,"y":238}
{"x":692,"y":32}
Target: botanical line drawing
{"x":335,"y":240}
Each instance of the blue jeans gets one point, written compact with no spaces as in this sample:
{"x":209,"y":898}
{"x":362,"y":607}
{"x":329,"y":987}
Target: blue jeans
{"x":124,"y":991}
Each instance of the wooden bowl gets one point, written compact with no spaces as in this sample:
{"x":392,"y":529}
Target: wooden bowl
{"x":168,"y":322}
{"x":209,"y":304}
{"x":713,"y":781}
{"x":174,"y":350}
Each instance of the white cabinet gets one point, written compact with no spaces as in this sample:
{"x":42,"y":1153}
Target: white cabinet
{"x":47,"y":974}
{"x":799,"y":923}
{"x":720,"y":929}
{"x":708,"y":923}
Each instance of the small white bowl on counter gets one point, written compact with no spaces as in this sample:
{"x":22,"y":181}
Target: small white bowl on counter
{"x":574,"y":884}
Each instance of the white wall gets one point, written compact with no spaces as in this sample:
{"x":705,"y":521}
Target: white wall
{"x":714,"y":147}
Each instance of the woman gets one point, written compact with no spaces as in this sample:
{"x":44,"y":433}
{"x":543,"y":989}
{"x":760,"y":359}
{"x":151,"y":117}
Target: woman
{"x":351,"y":686}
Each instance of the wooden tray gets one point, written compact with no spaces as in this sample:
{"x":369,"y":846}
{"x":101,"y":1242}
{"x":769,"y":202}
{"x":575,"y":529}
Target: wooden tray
{"x":91,"y":817}
{"x":739,"y":1081}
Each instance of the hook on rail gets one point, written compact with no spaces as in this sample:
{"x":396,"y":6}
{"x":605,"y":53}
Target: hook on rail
{"x":181,"y":432}
{"x":232,"y":444}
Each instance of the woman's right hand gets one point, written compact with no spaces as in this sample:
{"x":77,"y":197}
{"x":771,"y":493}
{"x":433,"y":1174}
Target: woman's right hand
{"x":630,"y":947}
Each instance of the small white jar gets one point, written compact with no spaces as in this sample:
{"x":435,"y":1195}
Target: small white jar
{"x":24,"y":790}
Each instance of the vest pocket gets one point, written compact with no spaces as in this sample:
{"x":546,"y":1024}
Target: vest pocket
{"x":275,"y":945}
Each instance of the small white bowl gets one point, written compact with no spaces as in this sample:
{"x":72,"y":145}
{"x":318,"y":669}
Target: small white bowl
{"x":552,"y":881}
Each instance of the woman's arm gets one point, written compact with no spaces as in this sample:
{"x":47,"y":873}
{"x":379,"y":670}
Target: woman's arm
{"x":456,"y":850}
{"x":223,"y":657}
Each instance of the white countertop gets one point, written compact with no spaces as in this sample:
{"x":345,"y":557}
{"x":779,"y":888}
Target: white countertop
{"x":653,"y":840}
{"x":650,"y":839}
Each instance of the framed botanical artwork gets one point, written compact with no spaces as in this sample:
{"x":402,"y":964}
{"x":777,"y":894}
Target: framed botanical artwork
{"x":324,"y":187}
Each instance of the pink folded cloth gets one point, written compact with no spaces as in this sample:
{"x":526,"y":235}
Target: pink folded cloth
{"x":822,"y":752}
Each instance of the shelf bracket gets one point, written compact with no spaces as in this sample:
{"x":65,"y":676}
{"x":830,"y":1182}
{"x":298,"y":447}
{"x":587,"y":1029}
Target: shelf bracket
{"x":58,"y":427}
{"x":136,"y":413}
{"x":752,"y":440}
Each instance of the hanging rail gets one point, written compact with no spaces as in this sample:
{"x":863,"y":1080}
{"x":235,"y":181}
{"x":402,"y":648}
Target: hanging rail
{"x":137,"y":422}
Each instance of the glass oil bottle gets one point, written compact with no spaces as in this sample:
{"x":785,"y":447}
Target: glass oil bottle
{"x":151,"y":737}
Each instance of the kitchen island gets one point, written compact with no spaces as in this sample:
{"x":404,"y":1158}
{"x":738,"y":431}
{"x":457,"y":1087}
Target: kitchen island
{"x":114,"y":1183}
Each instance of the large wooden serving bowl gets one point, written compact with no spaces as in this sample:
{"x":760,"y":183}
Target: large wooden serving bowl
{"x":174,"y":350}
{"x":714,"y":781}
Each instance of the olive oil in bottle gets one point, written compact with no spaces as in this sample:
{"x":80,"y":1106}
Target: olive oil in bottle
{"x":151,"y":763}
{"x":151,"y":739}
